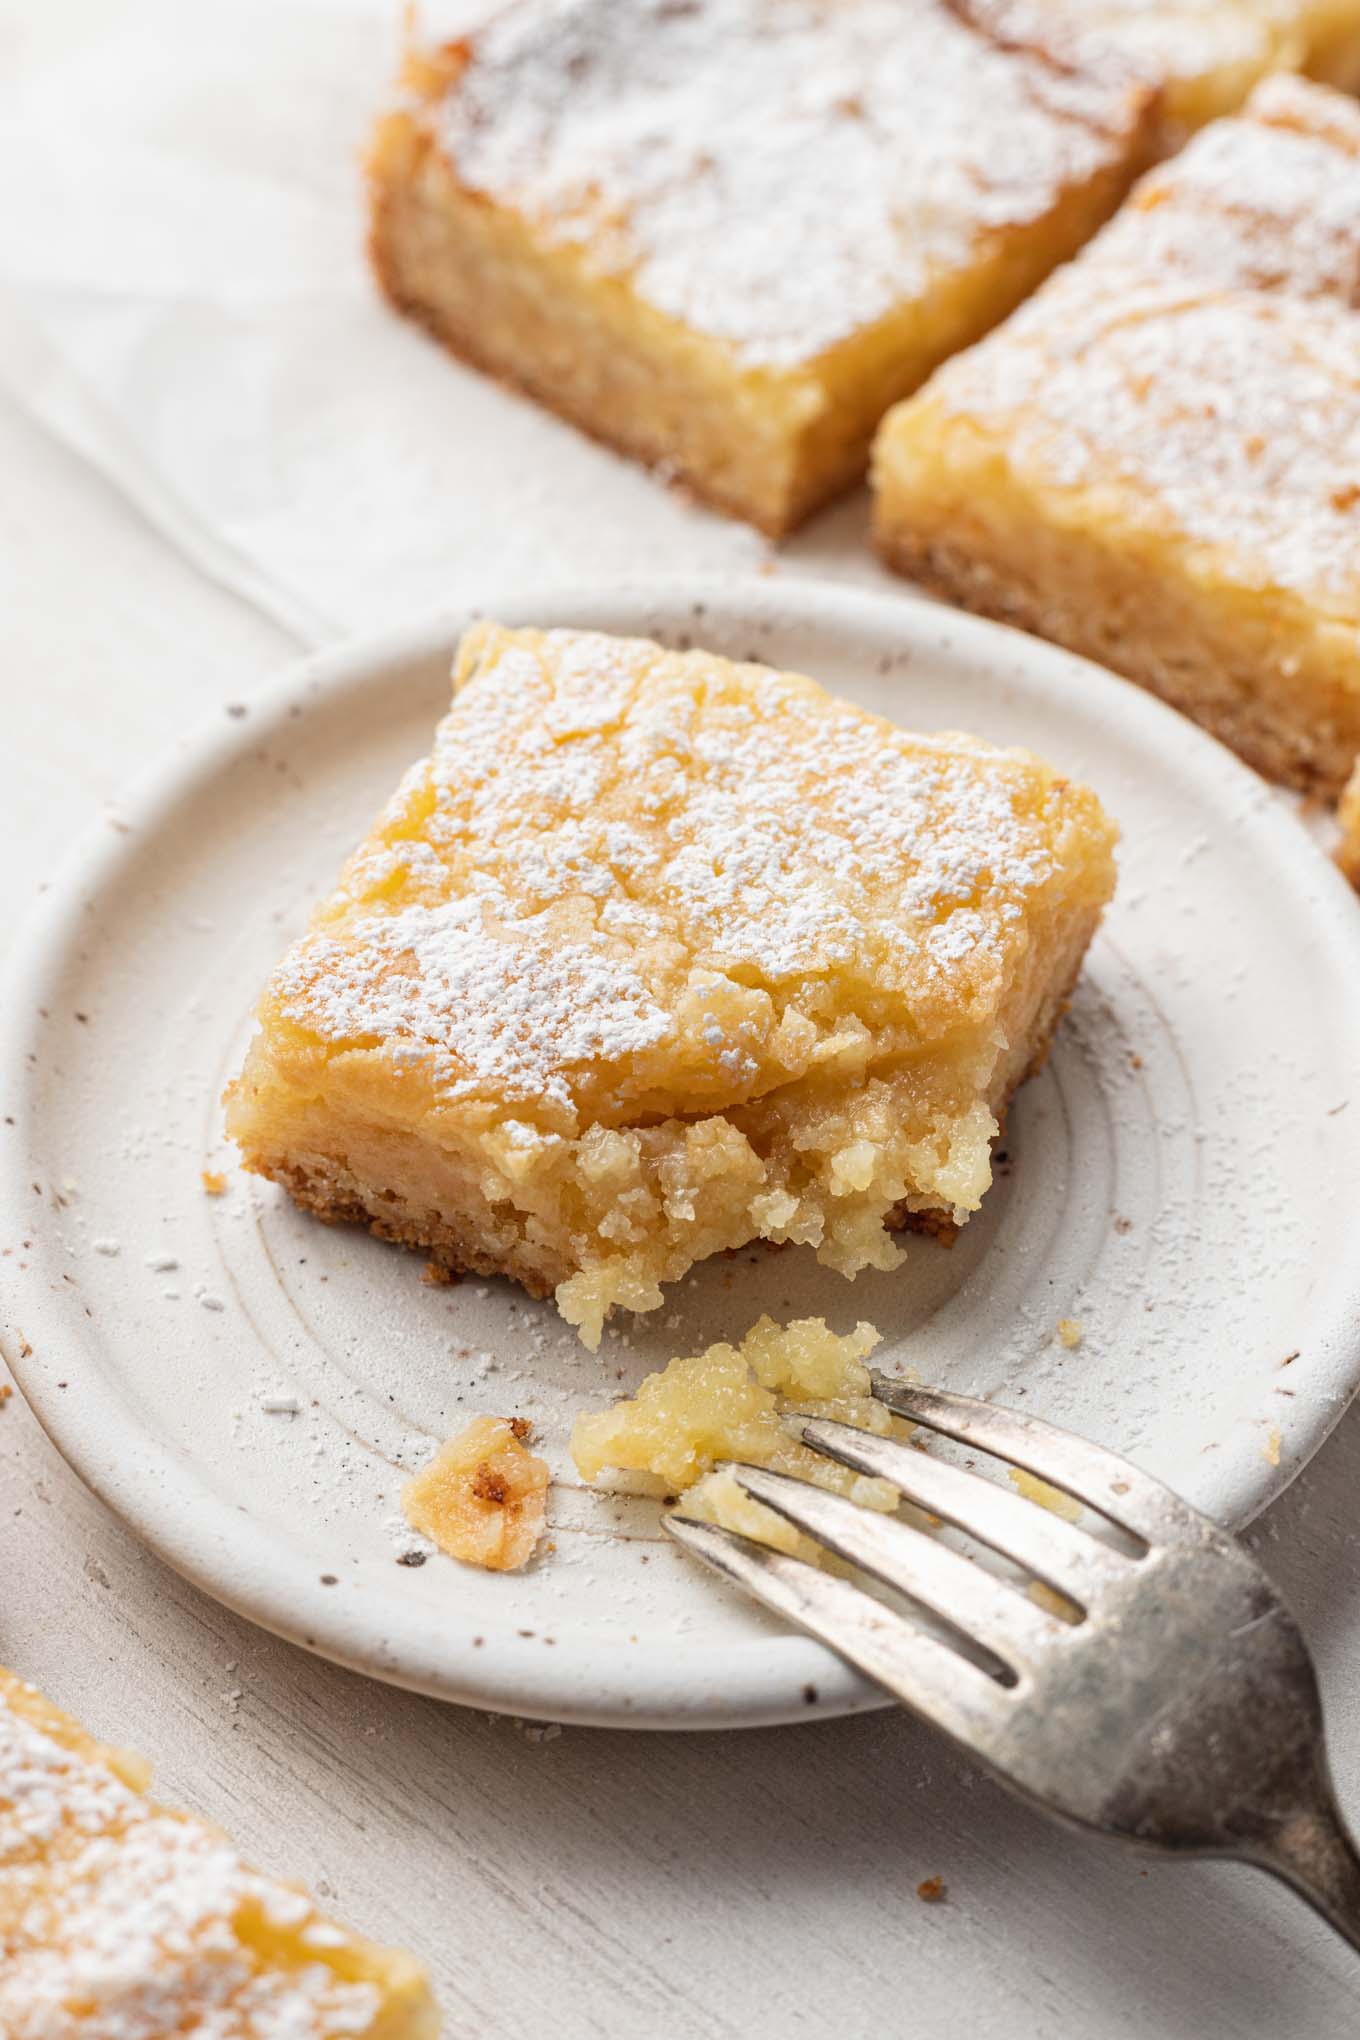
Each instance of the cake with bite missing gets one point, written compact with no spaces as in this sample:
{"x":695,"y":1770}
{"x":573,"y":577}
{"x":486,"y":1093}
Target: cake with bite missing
{"x":657,"y":954}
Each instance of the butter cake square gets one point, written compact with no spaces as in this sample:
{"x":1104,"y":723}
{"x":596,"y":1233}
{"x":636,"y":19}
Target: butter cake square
{"x":122,"y":1920}
{"x":1204,"y":56}
{"x":1157,"y":460}
{"x":724,"y":235}
{"x":657,"y":954}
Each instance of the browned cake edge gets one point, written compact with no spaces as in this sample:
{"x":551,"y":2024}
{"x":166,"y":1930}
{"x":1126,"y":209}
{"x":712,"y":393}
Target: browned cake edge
{"x":404,"y":219}
{"x":1194,"y":668}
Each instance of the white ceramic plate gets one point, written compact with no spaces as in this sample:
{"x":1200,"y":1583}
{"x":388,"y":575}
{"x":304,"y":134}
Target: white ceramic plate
{"x":1184,"y":1179}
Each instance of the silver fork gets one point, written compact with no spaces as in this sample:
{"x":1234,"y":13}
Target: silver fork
{"x":1175,"y":1705}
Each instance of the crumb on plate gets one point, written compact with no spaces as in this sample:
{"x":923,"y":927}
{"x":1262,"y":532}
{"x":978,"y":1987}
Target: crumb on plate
{"x":483,"y":1497}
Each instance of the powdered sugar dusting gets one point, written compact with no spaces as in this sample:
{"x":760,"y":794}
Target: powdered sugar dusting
{"x":514,"y":1007}
{"x":1169,"y":40}
{"x":775,"y":173}
{"x":628,"y":869}
{"x":1267,"y":203}
{"x":1204,"y":353}
{"x":120,"y":1920}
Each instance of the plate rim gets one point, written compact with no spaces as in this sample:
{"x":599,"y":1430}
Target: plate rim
{"x":160,"y":1501}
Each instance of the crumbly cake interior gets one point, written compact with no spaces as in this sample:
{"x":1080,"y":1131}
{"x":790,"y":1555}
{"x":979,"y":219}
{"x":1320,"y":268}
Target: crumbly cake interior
{"x":657,"y":954}
{"x":1157,"y":460}
{"x":726,"y":235}
{"x":1204,"y":55}
{"x":121,"y":1920}
{"x":742,"y":1403}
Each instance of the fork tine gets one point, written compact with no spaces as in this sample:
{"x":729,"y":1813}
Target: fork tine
{"x":929,"y":1677}
{"x":974,"y":1602}
{"x":1101,"y":1480}
{"x":1066,"y":1557}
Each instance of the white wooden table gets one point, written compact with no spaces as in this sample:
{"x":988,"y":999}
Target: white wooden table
{"x":590,"y":1883}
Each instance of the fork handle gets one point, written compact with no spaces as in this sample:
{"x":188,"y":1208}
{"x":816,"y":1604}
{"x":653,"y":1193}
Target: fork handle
{"x":1314,"y":1854}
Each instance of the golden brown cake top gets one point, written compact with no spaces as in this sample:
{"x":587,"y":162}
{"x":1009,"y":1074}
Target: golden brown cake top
{"x":1201,"y":359}
{"x":633,"y":881}
{"x":776,"y":174}
{"x":120,"y":1920}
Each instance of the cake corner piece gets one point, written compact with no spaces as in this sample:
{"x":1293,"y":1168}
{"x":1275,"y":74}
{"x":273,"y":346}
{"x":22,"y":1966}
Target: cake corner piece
{"x":658,"y":954}
{"x":118,"y":1911}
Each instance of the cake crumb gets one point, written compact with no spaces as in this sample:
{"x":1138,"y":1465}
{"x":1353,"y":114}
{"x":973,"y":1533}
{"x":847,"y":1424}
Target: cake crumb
{"x":483,"y":1497}
{"x":1053,"y":1603}
{"x":539,"y":1732}
{"x":214,"y":1182}
{"x":742,"y":1403}
{"x":932,"y":1891}
{"x":1270,"y":1451}
{"x":1070,"y":1331}
{"x":1048,"y":1497}
{"x":5,"y":1393}
{"x":436,"y":1276}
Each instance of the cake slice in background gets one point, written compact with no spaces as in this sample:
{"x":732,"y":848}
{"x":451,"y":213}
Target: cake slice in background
{"x":1156,"y":461}
{"x":724,"y":236}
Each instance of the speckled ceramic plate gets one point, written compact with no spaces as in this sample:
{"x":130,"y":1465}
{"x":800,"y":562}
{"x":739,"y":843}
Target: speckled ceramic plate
{"x":247,"y":1388}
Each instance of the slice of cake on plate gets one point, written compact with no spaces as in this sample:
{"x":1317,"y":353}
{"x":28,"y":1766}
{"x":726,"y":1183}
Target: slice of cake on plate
{"x":119,"y":1917}
{"x":724,"y":235}
{"x":658,"y":954}
{"x":1157,"y":460}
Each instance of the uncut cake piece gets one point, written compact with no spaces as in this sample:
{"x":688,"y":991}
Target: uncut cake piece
{"x":656,"y":955}
{"x":725,"y":235}
{"x":1157,"y":460}
{"x":123,"y":1920}
{"x":1203,"y":55}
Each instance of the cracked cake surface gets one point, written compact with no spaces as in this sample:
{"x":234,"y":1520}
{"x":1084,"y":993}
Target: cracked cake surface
{"x":1156,"y":461}
{"x":657,"y":954}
